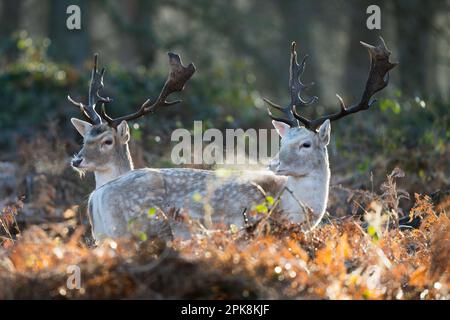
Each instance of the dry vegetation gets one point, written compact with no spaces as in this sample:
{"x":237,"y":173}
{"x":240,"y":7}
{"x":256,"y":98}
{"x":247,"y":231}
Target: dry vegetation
{"x":339,"y":260}
{"x":386,"y":234}
{"x":342,"y":259}
{"x":372,"y":249}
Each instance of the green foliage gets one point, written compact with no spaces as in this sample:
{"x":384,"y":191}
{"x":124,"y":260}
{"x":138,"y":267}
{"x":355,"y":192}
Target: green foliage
{"x":392,"y":105}
{"x":373,"y":233}
{"x":143,"y":236}
{"x":35,"y":89}
{"x":410,"y":132}
{"x":151,"y":212}
{"x":261,"y":208}
{"x":270,"y":200}
{"x":266,"y":206}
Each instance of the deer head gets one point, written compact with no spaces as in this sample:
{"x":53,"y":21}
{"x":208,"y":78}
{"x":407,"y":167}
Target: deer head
{"x":304,"y":141}
{"x":105,"y":140}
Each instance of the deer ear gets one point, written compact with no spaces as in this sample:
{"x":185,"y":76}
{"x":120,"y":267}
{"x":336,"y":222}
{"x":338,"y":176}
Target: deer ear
{"x":82,"y":126}
{"x":281,"y":127}
{"x":124,"y":132}
{"x":324,"y":133}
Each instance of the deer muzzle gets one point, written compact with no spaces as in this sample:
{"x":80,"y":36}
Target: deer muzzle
{"x":76,"y":162}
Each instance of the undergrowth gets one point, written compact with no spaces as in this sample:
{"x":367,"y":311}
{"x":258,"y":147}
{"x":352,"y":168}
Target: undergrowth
{"x":343,"y":258}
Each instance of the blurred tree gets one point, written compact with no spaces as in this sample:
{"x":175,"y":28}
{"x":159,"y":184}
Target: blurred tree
{"x":356,"y":60}
{"x":137,"y":23}
{"x":143,"y":12}
{"x":298,"y":20}
{"x":415,"y":22}
{"x":10,"y":19}
{"x":242,"y":26}
{"x":69,"y":45}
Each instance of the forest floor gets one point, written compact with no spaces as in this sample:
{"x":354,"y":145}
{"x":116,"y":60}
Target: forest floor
{"x":344,"y":258}
{"x":341,"y":259}
{"x":371,"y":249}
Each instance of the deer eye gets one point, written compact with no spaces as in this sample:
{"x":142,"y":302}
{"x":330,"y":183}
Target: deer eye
{"x":108,"y":142}
{"x":306,"y":145}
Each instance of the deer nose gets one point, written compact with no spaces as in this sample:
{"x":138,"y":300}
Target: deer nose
{"x":76,"y":162}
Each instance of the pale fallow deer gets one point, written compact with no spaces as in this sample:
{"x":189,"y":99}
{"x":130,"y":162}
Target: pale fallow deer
{"x":105,"y":140}
{"x":298,"y":179}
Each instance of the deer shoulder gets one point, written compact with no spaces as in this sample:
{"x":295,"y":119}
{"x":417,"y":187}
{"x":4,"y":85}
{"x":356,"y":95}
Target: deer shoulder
{"x":206,"y":195}
{"x":226,"y":195}
{"x":116,"y":205}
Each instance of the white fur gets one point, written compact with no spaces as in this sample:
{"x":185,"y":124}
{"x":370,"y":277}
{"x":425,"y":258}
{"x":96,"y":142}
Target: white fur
{"x":301,"y":167}
{"x":105,"y":176}
{"x":311,"y":191}
{"x":82,"y":126}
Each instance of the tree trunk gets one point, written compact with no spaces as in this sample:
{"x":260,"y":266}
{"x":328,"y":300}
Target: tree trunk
{"x":414,"y":20}
{"x":10,"y":19}
{"x":145,"y":39}
{"x":298,"y":20}
{"x":70,"y":46}
{"x":357,"y":61}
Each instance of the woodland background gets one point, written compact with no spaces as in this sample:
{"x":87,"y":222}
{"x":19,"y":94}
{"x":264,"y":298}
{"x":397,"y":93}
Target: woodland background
{"x":241,"y":51}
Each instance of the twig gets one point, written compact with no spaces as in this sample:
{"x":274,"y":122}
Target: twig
{"x":305,"y":208}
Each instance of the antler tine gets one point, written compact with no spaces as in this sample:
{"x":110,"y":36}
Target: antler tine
{"x":81,"y":108}
{"x":94,"y":98}
{"x":295,"y":85}
{"x":377,"y":80}
{"x":105,"y":117}
{"x":177,"y":78}
{"x":295,"y":89}
{"x":290,"y":120}
{"x":96,"y":85}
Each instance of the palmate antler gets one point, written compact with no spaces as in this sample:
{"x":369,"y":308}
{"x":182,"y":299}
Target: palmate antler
{"x":296,"y":87}
{"x":377,"y":80}
{"x":178,"y":76}
{"x":94,"y":97}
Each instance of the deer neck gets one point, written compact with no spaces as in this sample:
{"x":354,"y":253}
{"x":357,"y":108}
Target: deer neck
{"x":121,"y":164}
{"x":310,"y":189}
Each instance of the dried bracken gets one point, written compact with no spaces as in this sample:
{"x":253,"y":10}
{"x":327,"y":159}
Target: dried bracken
{"x":340,"y":259}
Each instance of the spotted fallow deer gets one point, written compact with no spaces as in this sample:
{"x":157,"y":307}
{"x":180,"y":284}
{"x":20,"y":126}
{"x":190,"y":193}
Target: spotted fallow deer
{"x":298,"y":179}
{"x":105,"y":148}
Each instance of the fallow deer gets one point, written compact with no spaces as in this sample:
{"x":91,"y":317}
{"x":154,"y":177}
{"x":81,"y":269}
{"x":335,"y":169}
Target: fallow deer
{"x":105,"y":148}
{"x":299,"y":179}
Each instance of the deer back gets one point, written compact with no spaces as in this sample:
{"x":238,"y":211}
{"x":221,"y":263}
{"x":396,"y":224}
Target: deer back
{"x":206,"y":195}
